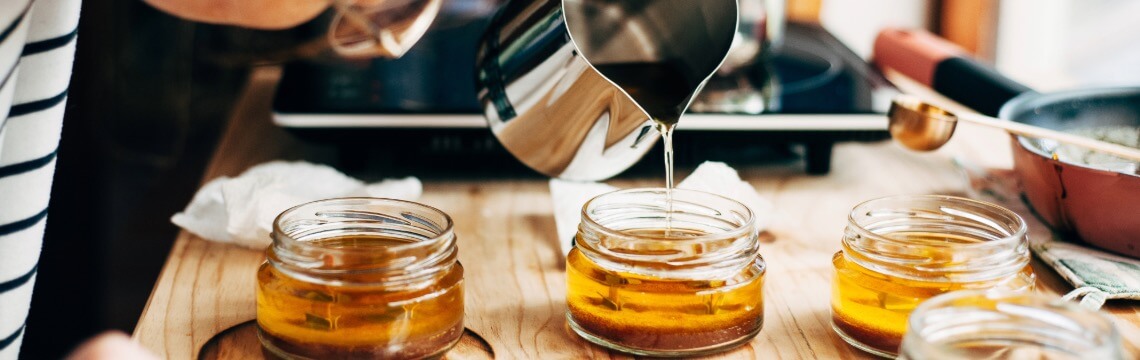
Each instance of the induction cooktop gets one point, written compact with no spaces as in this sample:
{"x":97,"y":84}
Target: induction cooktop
{"x":808,"y":92}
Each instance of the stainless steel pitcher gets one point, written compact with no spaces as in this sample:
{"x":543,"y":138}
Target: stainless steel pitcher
{"x":551,"y":109}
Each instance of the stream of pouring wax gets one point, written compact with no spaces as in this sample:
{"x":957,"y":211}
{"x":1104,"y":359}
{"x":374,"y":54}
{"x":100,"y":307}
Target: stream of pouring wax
{"x":659,"y":52}
{"x":663,"y":90}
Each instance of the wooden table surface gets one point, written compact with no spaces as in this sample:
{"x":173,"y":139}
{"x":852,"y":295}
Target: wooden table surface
{"x":515,"y":271}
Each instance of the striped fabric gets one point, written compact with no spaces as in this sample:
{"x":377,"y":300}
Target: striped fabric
{"x":37,"y":47}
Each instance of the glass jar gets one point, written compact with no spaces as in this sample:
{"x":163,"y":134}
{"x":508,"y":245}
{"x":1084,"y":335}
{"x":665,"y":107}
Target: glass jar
{"x":899,"y":251}
{"x":649,"y":276}
{"x":360,"y":278}
{"x":1001,"y":325}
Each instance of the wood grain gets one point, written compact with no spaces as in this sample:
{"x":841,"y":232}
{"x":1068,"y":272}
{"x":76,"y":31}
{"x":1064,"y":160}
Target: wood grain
{"x":241,"y":342}
{"x":515,"y":271}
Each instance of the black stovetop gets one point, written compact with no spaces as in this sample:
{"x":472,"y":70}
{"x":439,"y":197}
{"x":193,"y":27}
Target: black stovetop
{"x":810,"y":72}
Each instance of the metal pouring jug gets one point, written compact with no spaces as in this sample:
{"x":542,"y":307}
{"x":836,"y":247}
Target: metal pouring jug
{"x":552,"y":110}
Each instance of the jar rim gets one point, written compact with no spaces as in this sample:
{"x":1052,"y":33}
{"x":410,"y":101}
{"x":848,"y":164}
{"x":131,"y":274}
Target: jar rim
{"x":430,"y":249}
{"x":715,"y":238}
{"x":737,"y":231}
{"x":1016,"y":236}
{"x":937,"y":238}
{"x":443,"y":231}
{"x":1043,"y":311}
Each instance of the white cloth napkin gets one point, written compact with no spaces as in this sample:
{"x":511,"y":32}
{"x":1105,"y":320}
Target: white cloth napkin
{"x":241,"y":210}
{"x":568,"y":197}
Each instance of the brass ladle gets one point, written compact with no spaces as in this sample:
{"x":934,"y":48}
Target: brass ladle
{"x":922,"y":126}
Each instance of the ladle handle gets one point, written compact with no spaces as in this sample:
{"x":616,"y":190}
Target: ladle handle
{"x":1043,"y":133}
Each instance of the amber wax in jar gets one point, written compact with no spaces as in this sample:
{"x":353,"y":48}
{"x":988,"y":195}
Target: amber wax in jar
{"x":648,"y":279}
{"x":360,"y":278}
{"x":900,"y":251}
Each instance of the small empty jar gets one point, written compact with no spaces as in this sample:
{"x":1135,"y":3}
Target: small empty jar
{"x":899,"y":251}
{"x":650,"y":278}
{"x":360,"y":278}
{"x":999,"y":325}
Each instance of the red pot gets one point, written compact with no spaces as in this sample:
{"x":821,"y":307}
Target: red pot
{"x":1100,"y":207}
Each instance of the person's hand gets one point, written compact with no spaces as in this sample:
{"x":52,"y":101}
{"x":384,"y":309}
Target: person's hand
{"x":257,"y":14}
{"x":111,"y":345}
